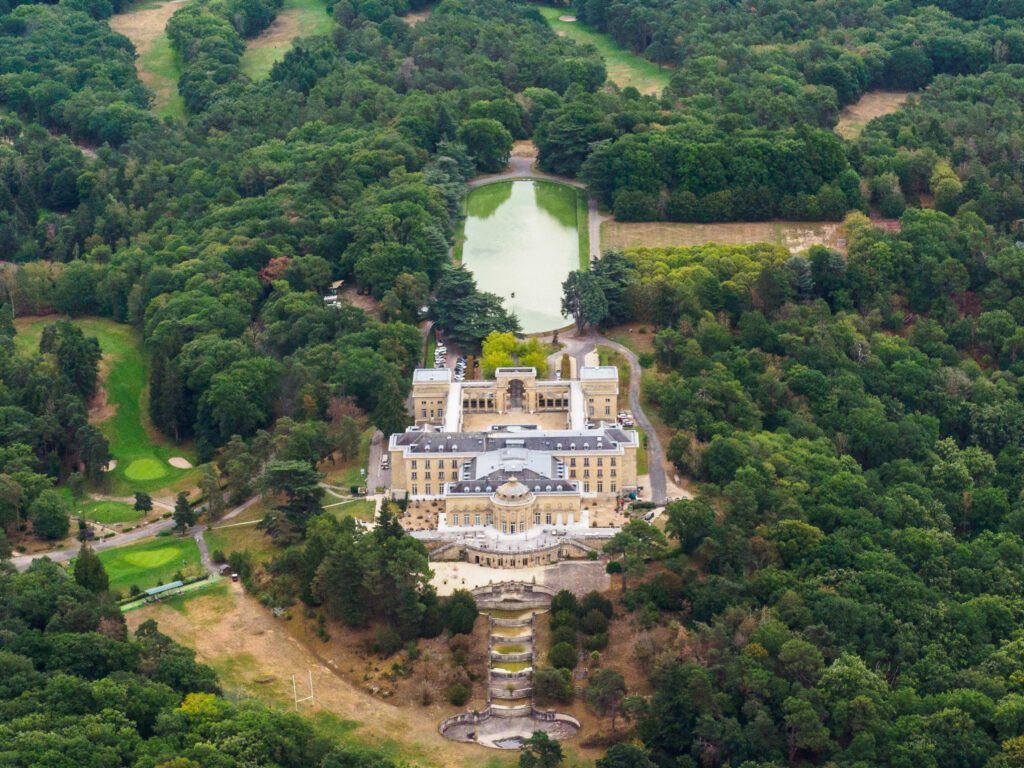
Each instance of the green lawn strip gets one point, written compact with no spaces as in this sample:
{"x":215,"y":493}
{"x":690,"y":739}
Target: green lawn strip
{"x":141,"y":452}
{"x":108,"y":512}
{"x":428,"y":349}
{"x":348,"y":475}
{"x":642,"y":464}
{"x":151,"y":562}
{"x":164,"y":64}
{"x":361,"y":509}
{"x":624,"y":68}
{"x":212,"y":586}
{"x":583,"y":228}
{"x":310,"y":18}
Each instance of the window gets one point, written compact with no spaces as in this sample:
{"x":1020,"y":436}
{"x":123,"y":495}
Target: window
{"x":586,"y":487}
{"x":547,"y":517}
{"x":414,"y":474}
{"x":423,"y":412}
{"x":586,"y":461}
{"x":600,"y":461}
{"x":572,"y":474}
{"x":613,"y":471}
{"x":613,"y":461}
{"x":476,"y":519}
{"x":426,"y":475}
{"x":572,"y":462}
{"x":415,"y":490}
{"x":536,"y":518}
{"x":614,"y":486}
{"x":600,"y":486}
{"x":455,"y":463}
{"x":607,"y":410}
{"x":414,"y":463}
{"x":600,"y":473}
{"x":465,"y":519}
{"x":586,"y":473}
{"x":427,"y":489}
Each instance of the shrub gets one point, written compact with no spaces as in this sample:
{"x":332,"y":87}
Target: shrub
{"x":564,"y":601}
{"x":562,"y":656}
{"x":457,"y":694}
{"x":218,"y":556}
{"x":134,"y":590}
{"x":564,"y":619}
{"x":387,"y":641}
{"x":594,"y":622}
{"x":459,"y":612}
{"x":596,"y":642}
{"x":552,"y":685}
{"x":595,"y":601}
{"x":563,"y":635}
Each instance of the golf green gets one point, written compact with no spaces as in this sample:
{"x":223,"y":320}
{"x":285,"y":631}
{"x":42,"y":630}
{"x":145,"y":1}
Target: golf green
{"x":145,"y":469}
{"x":150,"y":562}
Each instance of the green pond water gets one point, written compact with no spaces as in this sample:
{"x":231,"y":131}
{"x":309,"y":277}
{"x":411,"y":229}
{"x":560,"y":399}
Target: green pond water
{"x":520,"y":243}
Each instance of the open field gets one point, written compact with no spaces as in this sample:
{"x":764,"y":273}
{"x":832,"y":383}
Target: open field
{"x":149,"y":562}
{"x":141,"y":452}
{"x":794,"y":235}
{"x":360,"y":509}
{"x":159,"y":68}
{"x":256,"y":655}
{"x":624,"y":68}
{"x":297,"y":18}
{"x":873,"y":104}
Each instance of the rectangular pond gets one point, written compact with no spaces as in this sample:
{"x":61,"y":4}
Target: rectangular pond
{"x":521,"y":242}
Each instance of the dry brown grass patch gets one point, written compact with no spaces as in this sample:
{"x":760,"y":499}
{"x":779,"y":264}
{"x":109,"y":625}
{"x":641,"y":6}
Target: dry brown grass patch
{"x":873,"y":104}
{"x":794,"y":235}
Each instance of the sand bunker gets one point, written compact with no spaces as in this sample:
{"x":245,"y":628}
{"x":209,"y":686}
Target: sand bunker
{"x":179,"y":463}
{"x":567,"y":18}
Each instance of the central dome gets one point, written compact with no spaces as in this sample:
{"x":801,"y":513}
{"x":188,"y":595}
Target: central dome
{"x":512,"y":492}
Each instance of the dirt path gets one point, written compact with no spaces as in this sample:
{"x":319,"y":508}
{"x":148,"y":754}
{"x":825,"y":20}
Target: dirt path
{"x":256,"y":654}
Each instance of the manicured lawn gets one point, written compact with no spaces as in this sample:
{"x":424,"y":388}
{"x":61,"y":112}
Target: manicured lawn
{"x":428,"y":349}
{"x":624,"y":68}
{"x":233,"y":537}
{"x":149,"y":562}
{"x":346,"y":474}
{"x":297,"y":18}
{"x":582,"y":226}
{"x":361,"y":509}
{"x":141,"y":452}
{"x":108,"y":512}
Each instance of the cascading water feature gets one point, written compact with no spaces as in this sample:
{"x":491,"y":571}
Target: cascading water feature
{"x":510,"y":716}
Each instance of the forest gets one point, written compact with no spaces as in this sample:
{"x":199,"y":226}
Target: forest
{"x":844,"y":589}
{"x":77,"y":691}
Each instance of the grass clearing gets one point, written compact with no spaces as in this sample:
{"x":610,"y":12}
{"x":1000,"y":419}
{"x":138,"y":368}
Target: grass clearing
{"x":158,"y":65}
{"x":149,"y":563}
{"x":360,"y":509}
{"x":140,"y":450}
{"x":297,"y":18}
{"x":794,"y":235}
{"x":346,"y":474}
{"x":624,"y":68}
{"x":872,"y":104}
{"x":108,"y":512}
